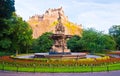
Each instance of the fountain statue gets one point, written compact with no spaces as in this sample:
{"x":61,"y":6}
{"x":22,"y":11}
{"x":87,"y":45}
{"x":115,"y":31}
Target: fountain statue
{"x":60,"y":46}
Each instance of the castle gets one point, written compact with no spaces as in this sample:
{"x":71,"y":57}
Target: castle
{"x":46,"y":23}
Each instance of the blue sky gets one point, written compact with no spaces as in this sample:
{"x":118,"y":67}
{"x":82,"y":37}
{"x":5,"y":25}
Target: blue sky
{"x":99,"y":14}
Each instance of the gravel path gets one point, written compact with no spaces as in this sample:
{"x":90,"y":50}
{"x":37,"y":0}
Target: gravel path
{"x":111,"y":73}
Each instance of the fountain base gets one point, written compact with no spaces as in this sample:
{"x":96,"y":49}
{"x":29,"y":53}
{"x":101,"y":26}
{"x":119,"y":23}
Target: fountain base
{"x":60,"y":56}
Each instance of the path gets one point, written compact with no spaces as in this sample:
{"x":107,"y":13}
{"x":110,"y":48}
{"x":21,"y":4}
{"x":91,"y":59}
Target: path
{"x":111,"y":73}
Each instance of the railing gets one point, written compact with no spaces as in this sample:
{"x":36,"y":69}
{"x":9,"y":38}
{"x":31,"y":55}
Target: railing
{"x":33,"y":67}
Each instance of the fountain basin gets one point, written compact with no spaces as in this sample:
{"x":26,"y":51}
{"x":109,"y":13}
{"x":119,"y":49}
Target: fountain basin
{"x":72,"y":55}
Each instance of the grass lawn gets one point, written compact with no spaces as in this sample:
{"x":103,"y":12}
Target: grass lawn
{"x":64,"y":69}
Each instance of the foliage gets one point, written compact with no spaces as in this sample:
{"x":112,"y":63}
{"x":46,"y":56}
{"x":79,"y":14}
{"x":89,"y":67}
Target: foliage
{"x":5,"y":53}
{"x":74,"y":44}
{"x":114,"y":31}
{"x":18,"y":35}
{"x":6,"y":8}
{"x":21,"y":35}
{"x":92,"y":41}
{"x":43,"y":43}
{"x":97,"y":41}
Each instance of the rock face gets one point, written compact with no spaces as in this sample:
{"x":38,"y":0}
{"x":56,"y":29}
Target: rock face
{"x":47,"y":22}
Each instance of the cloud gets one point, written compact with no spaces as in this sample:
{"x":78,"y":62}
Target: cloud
{"x":100,"y":14}
{"x":28,"y":8}
{"x":97,"y":15}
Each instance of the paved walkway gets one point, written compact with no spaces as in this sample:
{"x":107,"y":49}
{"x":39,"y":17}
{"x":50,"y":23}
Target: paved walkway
{"x":111,"y":73}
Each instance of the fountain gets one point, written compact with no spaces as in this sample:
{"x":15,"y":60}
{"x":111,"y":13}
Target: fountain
{"x":59,"y":48}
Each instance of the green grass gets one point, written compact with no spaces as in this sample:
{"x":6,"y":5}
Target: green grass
{"x":63,"y":69}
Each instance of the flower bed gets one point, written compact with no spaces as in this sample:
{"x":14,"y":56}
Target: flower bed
{"x":71,"y":62}
{"x":61,"y":65}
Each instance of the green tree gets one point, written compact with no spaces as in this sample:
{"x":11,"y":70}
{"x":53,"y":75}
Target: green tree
{"x":114,"y":31}
{"x":108,"y":42}
{"x":43,"y":43}
{"x":74,"y":44}
{"x":15,"y":34}
{"x":6,"y":8}
{"x":18,"y":36}
{"x":21,"y":34}
{"x":97,"y":41}
{"x":91,"y":41}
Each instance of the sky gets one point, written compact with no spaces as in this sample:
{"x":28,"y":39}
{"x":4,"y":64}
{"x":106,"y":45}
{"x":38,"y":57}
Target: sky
{"x":98,"y":14}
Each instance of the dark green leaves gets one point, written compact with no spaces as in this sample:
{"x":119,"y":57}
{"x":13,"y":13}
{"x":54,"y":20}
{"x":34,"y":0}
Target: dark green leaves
{"x":91,"y":41}
{"x":43,"y":43}
{"x":6,"y":8}
{"x":114,"y":31}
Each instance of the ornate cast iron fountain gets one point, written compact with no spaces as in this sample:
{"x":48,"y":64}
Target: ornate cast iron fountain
{"x":60,"y":46}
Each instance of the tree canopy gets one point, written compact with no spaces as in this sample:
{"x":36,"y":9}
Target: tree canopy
{"x":21,"y":35}
{"x":114,"y":31}
{"x":15,"y":34}
{"x":91,"y":41}
{"x":6,"y":8}
{"x":18,"y":35}
{"x":43,"y":43}
{"x":74,"y":44}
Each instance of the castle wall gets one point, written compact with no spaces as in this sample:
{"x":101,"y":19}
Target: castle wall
{"x":45,"y":23}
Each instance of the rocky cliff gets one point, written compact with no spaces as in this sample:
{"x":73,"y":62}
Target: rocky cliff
{"x":47,"y":22}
